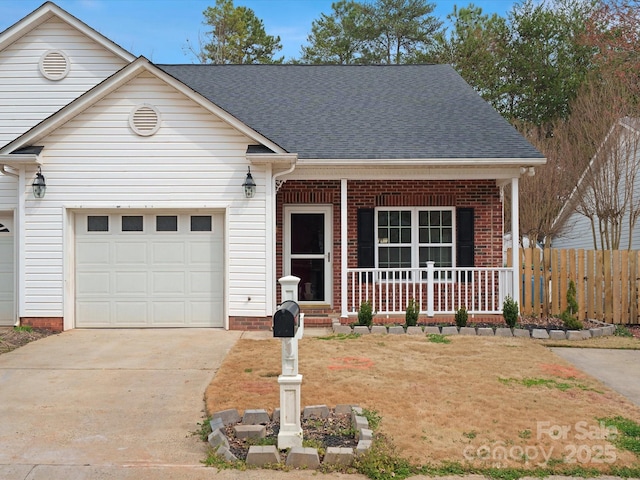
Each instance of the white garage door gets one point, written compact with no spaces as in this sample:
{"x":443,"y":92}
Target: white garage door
{"x":149,"y":270}
{"x":7,"y":315}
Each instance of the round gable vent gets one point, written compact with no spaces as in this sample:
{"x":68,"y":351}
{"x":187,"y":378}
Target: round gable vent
{"x":144,"y":120}
{"x":54,"y":65}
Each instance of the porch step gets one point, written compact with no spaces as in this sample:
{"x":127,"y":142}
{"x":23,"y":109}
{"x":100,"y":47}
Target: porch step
{"x":311,"y":321}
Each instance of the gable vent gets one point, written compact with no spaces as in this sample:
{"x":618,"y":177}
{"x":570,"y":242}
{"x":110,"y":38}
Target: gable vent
{"x":144,"y":120}
{"x":54,"y":65}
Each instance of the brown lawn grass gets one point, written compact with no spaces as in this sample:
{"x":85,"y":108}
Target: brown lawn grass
{"x":439,"y":402}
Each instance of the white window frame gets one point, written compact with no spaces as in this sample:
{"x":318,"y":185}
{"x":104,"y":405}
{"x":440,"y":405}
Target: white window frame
{"x":415,"y":237}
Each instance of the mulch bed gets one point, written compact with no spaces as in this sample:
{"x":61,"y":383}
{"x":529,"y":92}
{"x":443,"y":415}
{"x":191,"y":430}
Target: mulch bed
{"x":11,"y":339}
{"x":321,"y":433}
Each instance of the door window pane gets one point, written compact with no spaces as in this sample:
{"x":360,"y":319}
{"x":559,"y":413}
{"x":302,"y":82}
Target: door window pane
{"x":97,"y":223}
{"x":310,"y":271}
{"x":132,"y":223}
{"x":307,"y":233}
{"x":201,"y":223}
{"x":167,"y":223}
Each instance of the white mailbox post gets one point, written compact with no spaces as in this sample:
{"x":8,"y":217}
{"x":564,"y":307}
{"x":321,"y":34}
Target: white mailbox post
{"x":290,"y":381}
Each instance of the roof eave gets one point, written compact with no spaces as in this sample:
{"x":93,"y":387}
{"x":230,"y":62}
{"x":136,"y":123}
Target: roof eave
{"x":448,"y":162}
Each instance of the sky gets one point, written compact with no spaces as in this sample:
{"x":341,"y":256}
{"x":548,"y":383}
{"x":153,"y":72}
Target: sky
{"x":159,"y":29}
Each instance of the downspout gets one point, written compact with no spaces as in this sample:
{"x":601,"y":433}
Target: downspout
{"x":4,"y":171}
{"x":273,"y":230}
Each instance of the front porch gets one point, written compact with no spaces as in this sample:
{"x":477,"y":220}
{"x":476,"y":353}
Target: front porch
{"x":438,"y":242}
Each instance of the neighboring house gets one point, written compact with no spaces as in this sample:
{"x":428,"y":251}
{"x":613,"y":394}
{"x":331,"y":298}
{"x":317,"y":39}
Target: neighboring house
{"x":616,"y":167}
{"x":364,"y":175}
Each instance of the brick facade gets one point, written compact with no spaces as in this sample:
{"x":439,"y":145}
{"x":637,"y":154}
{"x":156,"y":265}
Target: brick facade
{"x":481,"y":195}
{"x":55,"y":324}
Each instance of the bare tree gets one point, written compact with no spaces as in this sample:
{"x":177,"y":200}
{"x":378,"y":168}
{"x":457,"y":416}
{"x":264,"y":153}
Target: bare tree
{"x":602,"y":144}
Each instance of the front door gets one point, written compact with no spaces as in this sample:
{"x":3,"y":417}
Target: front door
{"x":308,"y":242}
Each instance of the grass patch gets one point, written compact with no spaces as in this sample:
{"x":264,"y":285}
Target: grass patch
{"x":203,"y":430}
{"x":628,"y":433}
{"x":546,"y":382}
{"x":438,"y":338}
{"x":340,"y":336}
{"x":23,"y":328}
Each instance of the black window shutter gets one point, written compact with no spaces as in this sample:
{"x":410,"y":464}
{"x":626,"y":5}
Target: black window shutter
{"x":366,"y":252}
{"x":464,"y":242}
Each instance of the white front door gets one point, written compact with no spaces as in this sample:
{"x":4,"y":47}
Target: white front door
{"x":7,"y":278}
{"x":307,"y":251}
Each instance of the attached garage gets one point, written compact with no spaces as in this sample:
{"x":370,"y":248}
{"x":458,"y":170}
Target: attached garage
{"x":7,"y":278}
{"x":161,"y":269}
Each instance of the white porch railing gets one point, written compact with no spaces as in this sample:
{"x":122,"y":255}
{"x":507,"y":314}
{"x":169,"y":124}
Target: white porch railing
{"x":435,"y":290}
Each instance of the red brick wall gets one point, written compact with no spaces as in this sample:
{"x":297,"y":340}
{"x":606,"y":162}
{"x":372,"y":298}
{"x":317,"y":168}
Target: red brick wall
{"x":482,"y":195}
{"x":55,"y":324}
{"x":250,"y":323}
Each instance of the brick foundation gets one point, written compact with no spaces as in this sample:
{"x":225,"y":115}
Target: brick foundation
{"x":250,"y":323}
{"x":55,"y":324}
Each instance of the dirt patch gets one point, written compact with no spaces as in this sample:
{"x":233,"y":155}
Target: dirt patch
{"x":441,"y":402}
{"x":10,"y":339}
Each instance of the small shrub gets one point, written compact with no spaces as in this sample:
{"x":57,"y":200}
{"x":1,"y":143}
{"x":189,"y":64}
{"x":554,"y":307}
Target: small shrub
{"x":411,"y":314}
{"x":569,"y":318}
{"x":365,"y":314}
{"x":622,"y":331}
{"x":510,"y":311}
{"x":461,"y":317}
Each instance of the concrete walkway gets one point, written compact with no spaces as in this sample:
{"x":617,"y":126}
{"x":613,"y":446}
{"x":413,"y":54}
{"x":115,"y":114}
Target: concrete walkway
{"x":617,"y":369}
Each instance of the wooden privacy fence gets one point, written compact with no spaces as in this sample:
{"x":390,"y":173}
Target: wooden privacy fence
{"x":606,"y":283}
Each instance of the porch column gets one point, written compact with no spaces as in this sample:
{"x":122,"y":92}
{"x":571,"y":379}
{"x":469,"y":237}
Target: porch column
{"x":515,"y":238}
{"x":344,"y":251}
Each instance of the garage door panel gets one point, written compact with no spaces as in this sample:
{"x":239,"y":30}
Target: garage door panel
{"x":7,"y":275}
{"x":172,"y":253}
{"x":131,"y":314}
{"x":201,"y":282}
{"x":169,"y":283}
{"x":151,"y":279}
{"x":202,"y":312}
{"x":93,"y":283}
{"x":131,"y":253}
{"x":130,"y":283}
{"x":94,"y":314}
{"x":169,"y":313}
{"x":93,"y":253}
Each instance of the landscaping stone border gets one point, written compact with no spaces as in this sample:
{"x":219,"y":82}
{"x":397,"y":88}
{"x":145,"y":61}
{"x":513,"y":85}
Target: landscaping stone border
{"x":297,"y":457}
{"x":604,"y":329}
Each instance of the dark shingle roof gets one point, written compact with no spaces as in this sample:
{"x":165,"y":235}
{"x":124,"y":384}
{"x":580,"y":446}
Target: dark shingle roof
{"x":337,"y":111}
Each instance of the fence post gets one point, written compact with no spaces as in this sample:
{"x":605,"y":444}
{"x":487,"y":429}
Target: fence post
{"x":430,"y":289}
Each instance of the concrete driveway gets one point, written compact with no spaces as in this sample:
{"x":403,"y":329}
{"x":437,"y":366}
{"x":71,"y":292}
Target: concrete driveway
{"x":111,"y":400}
{"x":618,"y":369}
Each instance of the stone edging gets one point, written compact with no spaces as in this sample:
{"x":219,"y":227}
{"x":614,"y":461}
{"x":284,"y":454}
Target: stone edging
{"x":537,"y":333}
{"x":252,"y":425}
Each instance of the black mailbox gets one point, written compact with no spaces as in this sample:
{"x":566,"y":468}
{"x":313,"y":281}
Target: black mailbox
{"x":285,"y":320}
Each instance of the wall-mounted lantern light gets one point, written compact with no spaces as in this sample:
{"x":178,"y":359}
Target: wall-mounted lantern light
{"x":39,"y":185}
{"x":249,"y":185}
